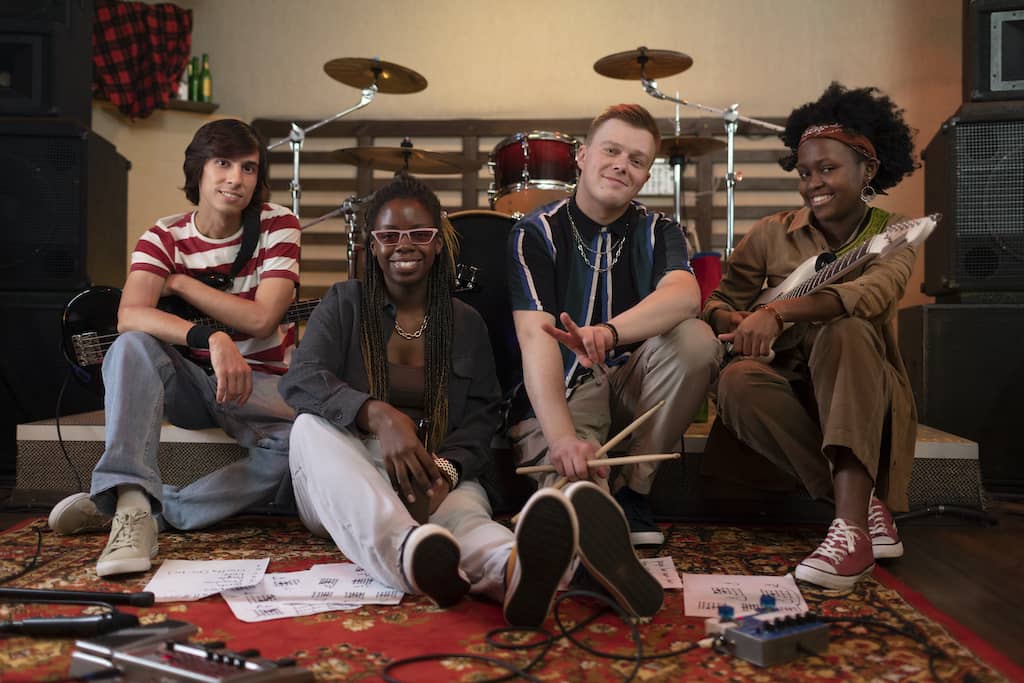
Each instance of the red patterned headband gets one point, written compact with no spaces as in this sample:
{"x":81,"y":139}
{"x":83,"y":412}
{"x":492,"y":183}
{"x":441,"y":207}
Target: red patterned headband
{"x":836,"y":131}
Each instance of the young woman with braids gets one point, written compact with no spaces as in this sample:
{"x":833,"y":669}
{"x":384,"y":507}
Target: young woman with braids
{"x":378,"y":356}
{"x":834,"y":408}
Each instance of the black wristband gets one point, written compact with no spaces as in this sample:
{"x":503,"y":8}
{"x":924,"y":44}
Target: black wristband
{"x":615,"y":333}
{"x":198,"y":336}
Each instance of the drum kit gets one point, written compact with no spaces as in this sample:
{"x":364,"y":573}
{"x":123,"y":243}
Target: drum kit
{"x":529,"y":168}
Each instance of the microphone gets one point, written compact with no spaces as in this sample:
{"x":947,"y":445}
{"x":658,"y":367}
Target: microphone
{"x":70,"y":626}
{"x":142,"y":599}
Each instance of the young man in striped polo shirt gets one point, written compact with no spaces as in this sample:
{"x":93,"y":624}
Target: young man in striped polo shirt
{"x":222,"y":379}
{"x":616,"y":280}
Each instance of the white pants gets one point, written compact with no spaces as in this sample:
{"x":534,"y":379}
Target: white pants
{"x":342,"y":491}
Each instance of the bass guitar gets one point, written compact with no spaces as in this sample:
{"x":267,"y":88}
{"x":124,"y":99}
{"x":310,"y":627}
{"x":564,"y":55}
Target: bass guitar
{"x":817,"y":272}
{"x":89,"y":327}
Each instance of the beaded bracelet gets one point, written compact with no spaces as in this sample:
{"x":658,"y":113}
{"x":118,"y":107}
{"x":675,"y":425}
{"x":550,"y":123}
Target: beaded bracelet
{"x":448,"y":471}
{"x":778,"y":318}
{"x":615,"y":333}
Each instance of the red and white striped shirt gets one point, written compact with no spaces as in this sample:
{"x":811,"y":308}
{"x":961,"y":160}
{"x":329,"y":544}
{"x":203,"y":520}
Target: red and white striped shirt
{"x":175,"y":245}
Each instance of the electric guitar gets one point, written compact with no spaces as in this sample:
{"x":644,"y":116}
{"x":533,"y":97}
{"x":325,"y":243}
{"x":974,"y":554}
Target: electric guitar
{"x":89,"y":327}
{"x":813,"y":274}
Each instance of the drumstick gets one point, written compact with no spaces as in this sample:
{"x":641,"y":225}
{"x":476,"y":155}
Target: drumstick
{"x":611,"y":444}
{"x":624,"y":460}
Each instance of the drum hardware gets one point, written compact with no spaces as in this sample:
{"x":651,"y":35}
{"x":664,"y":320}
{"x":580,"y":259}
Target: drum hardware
{"x":465,"y":277}
{"x":647,"y":65}
{"x":405,"y":158}
{"x":532,"y":169}
{"x":372,"y":76}
{"x":349,"y":210}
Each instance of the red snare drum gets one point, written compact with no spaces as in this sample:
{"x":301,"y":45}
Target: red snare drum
{"x":532,"y":169}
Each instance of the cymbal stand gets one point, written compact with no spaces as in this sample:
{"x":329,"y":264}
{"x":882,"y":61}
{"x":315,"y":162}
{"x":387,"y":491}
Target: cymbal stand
{"x":731,"y":117}
{"x":349,"y":209}
{"x":298,"y":135}
{"x":678,"y":164}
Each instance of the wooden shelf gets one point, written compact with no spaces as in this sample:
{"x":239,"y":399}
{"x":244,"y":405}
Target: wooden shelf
{"x":198,"y":107}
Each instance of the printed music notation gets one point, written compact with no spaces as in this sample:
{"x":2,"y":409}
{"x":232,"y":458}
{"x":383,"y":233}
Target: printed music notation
{"x":704,"y":593}
{"x":322,"y":588}
{"x":186,"y":580}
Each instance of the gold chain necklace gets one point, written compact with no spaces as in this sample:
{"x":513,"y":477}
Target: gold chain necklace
{"x":597,"y":253}
{"x":411,"y":335}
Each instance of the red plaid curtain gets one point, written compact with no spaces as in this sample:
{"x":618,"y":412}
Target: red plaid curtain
{"x":138,"y":53}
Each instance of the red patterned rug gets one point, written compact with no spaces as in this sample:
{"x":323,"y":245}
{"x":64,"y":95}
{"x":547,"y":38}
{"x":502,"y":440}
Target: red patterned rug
{"x":358,"y":645}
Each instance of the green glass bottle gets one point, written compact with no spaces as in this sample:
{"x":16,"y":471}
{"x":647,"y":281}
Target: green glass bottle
{"x":193,"y":79}
{"x":205,"y":81}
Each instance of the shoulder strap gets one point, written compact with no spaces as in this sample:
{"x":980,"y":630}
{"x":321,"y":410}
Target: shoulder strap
{"x":250,"y":236}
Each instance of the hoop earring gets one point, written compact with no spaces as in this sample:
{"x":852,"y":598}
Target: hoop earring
{"x":868,"y":194}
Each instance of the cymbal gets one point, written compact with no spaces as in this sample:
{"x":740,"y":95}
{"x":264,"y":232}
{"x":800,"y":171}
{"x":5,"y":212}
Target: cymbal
{"x":409,"y":159}
{"x":359,"y":73}
{"x":689,"y":146}
{"x":656,"y":63}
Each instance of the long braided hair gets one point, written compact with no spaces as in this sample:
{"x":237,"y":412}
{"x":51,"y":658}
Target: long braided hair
{"x":374,"y":332}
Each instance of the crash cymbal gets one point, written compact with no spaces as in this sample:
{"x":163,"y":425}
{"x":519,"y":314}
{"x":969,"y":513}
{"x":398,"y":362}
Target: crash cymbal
{"x":689,"y":146}
{"x":400,"y":158}
{"x":360,"y":73}
{"x":656,"y":63}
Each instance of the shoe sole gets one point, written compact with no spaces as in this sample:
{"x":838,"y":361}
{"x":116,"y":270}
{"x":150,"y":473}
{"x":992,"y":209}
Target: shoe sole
{"x":435,"y":570}
{"x":545,"y":544}
{"x":607,"y":553}
{"x":131,"y":565}
{"x":53,"y":521}
{"x":887,"y":551}
{"x":647,"y":539}
{"x":827,"y":580}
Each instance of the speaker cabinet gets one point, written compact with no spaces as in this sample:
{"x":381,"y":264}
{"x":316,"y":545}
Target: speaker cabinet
{"x":46,"y":58}
{"x":974,"y":177}
{"x":33,"y":367}
{"x":63,"y":207}
{"x":964,"y":385}
{"x":993,"y":50}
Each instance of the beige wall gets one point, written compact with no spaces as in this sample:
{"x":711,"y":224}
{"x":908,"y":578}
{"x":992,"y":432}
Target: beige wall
{"x":530,"y":58}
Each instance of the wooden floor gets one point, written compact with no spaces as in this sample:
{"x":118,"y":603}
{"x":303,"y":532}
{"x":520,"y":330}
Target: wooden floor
{"x":970,"y":571}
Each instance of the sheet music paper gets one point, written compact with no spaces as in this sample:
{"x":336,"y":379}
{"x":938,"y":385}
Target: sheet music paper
{"x":187,"y":580}
{"x":322,"y":588}
{"x":703,"y":593}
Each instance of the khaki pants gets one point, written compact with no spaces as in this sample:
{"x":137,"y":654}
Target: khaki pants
{"x":676,"y":367}
{"x":833,"y":389}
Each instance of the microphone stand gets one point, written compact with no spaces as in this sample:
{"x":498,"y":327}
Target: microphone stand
{"x":298,"y":135}
{"x":731,"y":117}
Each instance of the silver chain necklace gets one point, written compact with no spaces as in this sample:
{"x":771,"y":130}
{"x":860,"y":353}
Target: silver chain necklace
{"x":411,"y":335}
{"x":580,"y":247}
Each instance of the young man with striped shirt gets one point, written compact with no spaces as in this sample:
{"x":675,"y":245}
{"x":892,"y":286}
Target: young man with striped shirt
{"x":615,"y":279}
{"x":235,"y":259}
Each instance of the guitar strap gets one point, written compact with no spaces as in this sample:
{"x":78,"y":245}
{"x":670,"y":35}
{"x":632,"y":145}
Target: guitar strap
{"x":250,"y":236}
{"x":873,"y":224}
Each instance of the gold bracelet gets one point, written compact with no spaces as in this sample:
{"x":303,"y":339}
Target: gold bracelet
{"x":778,"y":318}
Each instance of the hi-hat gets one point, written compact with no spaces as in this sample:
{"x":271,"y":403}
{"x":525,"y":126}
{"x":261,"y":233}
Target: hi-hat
{"x":655,"y":63}
{"x":400,"y":159}
{"x":689,"y":146}
{"x":362,"y":73}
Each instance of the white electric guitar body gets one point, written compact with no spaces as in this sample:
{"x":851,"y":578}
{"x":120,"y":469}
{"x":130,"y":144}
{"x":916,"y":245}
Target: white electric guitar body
{"x":810,"y":276}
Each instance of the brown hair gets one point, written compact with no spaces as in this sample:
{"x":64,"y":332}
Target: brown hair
{"x":630,"y":114}
{"x":228,"y":139}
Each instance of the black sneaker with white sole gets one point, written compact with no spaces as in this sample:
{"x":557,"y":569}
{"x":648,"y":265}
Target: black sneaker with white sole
{"x":430,"y":563}
{"x":607,"y":553}
{"x":546,"y":538}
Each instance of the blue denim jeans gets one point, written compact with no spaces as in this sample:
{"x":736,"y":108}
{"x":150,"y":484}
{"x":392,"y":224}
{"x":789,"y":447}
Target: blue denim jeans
{"x":148,"y":381}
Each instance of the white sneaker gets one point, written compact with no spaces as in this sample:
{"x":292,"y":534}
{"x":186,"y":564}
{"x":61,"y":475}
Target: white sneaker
{"x":132,"y":545}
{"x":430,"y":564}
{"x":77,"y":514}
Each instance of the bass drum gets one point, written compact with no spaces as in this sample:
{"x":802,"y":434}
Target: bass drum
{"x":481,"y":269}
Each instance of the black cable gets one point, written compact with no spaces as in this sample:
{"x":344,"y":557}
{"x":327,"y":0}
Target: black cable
{"x":31,"y":563}
{"x":546,"y":641}
{"x":60,"y":437}
{"x":956,"y":510}
{"x":913,"y":634}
